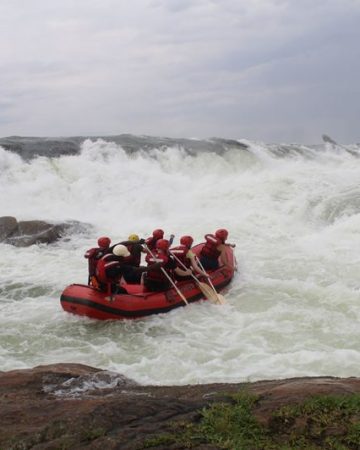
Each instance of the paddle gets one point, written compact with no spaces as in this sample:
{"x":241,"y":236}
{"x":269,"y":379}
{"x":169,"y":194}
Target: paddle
{"x":220,"y":298}
{"x":181,"y":295}
{"x":204,"y":288}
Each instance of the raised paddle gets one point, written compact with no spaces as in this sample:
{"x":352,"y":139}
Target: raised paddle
{"x":181,"y":295}
{"x":204,"y":288}
{"x":220,"y":298}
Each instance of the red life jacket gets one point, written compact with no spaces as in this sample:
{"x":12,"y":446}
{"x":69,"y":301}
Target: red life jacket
{"x":107,"y":262}
{"x":167,"y":264}
{"x":94,"y":255}
{"x":210,"y":248}
{"x":180,"y":253}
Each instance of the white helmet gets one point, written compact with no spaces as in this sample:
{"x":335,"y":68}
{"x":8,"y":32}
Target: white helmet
{"x":121,"y":250}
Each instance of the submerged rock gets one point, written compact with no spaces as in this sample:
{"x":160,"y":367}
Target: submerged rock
{"x":71,"y":406}
{"x":30,"y":232}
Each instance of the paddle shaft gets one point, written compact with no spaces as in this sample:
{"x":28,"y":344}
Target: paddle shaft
{"x":204,"y":288}
{"x":169,"y":278}
{"x":184,"y":267}
{"x":220,"y":300}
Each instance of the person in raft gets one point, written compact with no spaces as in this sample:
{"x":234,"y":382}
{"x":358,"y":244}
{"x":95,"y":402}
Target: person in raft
{"x":109,"y":269}
{"x":115,"y":265}
{"x":214,"y":249}
{"x":93,"y":255}
{"x":156,"y":235}
{"x":135,"y":246}
{"x":159,"y":278}
{"x":185,"y":258}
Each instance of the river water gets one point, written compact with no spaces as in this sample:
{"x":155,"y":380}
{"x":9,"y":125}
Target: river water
{"x":293,"y":308}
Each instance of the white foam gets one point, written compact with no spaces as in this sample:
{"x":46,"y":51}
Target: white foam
{"x":292,"y":310}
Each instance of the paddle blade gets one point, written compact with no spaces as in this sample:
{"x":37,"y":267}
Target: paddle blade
{"x":210,"y":294}
{"x":221,"y":299}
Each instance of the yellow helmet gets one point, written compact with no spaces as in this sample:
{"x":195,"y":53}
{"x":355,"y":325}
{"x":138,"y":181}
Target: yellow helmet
{"x":133,"y":237}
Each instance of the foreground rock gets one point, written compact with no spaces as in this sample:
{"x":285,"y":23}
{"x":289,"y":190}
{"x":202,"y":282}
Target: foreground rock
{"x":30,"y":232}
{"x":72,"y":406}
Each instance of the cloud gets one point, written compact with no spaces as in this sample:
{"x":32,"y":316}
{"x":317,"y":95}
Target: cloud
{"x":229,"y":68}
{"x":175,"y":5}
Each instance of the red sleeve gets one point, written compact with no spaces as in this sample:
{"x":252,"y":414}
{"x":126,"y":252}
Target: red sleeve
{"x":157,"y":258}
{"x":164,"y":258}
{"x":90,"y":253}
{"x":149,"y":241}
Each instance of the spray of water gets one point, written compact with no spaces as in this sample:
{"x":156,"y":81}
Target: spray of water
{"x":293,"y":307}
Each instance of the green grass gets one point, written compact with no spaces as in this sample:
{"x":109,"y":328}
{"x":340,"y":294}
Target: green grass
{"x":328,"y":422}
{"x":321,"y":422}
{"x":233,"y":425}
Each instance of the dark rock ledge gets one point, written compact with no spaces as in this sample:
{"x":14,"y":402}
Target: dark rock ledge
{"x":30,"y":232}
{"x":72,"y":406}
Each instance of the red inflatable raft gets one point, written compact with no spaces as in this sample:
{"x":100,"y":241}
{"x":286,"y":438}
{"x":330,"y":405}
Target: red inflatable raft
{"x":88,"y":301}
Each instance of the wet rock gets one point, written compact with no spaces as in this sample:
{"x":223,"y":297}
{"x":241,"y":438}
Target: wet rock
{"x":8,"y":226}
{"x":75,"y":406}
{"x":30,"y":232}
{"x":30,"y":147}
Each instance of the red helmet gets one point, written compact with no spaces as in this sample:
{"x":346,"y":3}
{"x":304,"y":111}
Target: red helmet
{"x":187,"y":241}
{"x":158,"y":234}
{"x":222,"y":234}
{"x":162,"y":244}
{"x":104,"y":242}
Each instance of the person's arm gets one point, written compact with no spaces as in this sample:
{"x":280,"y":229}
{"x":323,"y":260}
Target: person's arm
{"x":140,"y":241}
{"x":154,"y":266}
{"x":172,"y":263}
{"x":181,"y":272}
{"x":223,"y":255}
{"x":194,"y":264}
{"x":90,"y":253}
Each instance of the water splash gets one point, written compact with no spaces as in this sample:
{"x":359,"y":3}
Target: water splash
{"x":293,"y":211}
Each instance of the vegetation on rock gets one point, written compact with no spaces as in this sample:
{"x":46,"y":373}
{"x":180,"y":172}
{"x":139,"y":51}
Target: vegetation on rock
{"x":326,"y":422}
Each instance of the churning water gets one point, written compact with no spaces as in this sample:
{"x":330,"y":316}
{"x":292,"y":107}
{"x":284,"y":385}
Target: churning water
{"x":293,"y":308}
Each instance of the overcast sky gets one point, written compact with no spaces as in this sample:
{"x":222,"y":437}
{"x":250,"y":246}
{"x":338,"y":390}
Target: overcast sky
{"x":268,"y":70}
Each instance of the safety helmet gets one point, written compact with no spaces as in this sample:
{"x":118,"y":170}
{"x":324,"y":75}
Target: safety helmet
{"x":121,"y":250}
{"x":104,"y":242}
{"x":222,"y":234}
{"x":133,"y":237}
{"x":162,"y":244}
{"x":187,"y":241}
{"x":158,"y":234}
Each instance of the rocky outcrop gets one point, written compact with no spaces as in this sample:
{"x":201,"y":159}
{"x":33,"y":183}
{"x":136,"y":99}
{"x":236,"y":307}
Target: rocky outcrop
{"x":29,"y":232}
{"x":32,"y":147}
{"x":72,"y":406}
{"x":8,"y":226}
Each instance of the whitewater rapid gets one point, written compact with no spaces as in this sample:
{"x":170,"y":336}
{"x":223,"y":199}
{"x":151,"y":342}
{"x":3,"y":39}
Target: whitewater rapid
{"x":293,"y":308}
